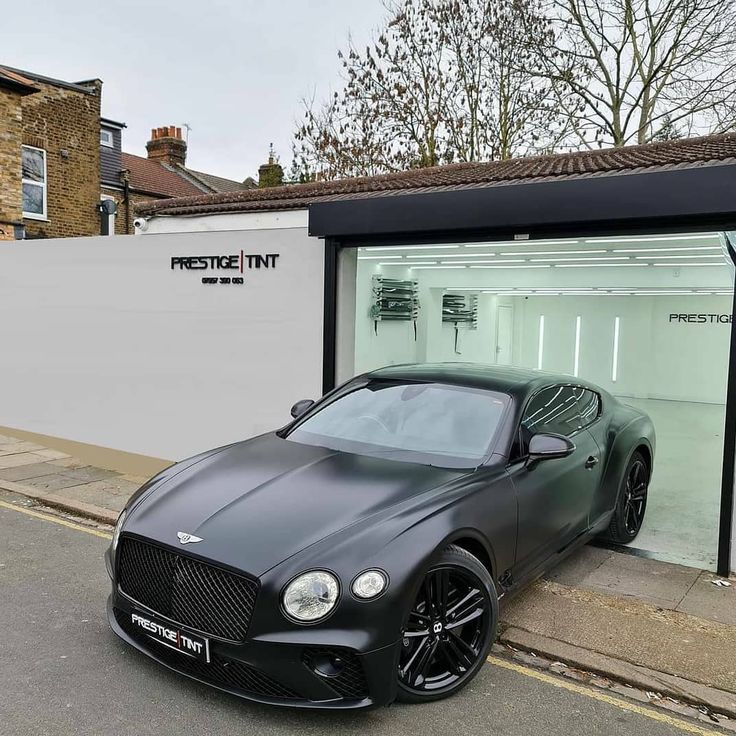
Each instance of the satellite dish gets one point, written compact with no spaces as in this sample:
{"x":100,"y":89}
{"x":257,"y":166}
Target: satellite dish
{"x":108,"y":207}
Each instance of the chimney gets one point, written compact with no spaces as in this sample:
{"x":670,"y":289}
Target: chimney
{"x":167,"y":146}
{"x":270,"y":174}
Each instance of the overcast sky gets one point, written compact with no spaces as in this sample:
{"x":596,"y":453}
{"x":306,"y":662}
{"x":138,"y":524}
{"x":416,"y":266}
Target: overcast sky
{"x":235,"y":70}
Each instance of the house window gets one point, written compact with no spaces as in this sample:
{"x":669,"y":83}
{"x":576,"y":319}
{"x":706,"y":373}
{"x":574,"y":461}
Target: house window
{"x":106,"y":138}
{"x":34,"y":183}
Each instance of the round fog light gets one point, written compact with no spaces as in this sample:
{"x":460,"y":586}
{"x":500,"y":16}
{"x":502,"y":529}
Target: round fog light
{"x":369,"y":584}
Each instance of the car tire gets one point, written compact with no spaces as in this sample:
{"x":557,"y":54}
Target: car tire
{"x":628,"y":515}
{"x":459,"y":648}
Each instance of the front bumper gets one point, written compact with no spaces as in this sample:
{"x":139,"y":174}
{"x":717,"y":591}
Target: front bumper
{"x":276,"y":673}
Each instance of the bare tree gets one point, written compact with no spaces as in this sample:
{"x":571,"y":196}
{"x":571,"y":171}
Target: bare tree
{"x":633,"y":71}
{"x":446,"y":80}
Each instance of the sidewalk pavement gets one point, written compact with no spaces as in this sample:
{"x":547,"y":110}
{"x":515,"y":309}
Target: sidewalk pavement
{"x":660,"y":627}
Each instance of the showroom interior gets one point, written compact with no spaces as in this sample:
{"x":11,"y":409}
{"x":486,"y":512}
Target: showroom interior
{"x":646,"y":317}
{"x":626,"y":279}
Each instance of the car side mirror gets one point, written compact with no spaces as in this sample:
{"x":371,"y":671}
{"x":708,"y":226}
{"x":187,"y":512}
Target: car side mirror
{"x":548,"y":446}
{"x":301,"y":407}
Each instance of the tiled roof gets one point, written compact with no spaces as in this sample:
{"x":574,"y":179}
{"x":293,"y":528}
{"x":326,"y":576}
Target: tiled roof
{"x":667,"y":154}
{"x":215,"y":184}
{"x":13,"y":80}
{"x":150,"y":177}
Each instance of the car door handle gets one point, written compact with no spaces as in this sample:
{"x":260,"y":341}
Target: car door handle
{"x":591,"y":462}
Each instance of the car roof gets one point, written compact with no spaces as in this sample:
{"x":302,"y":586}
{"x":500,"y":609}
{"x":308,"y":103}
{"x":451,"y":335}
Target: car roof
{"x":512,"y":380}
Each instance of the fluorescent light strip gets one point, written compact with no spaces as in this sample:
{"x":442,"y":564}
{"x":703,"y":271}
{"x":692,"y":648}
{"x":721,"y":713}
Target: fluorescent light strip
{"x":407,"y":264}
{"x":421,"y":268}
{"x":576,"y":361}
{"x":463,"y":255}
{"x":614,"y":368}
{"x":510,"y":243}
{"x":553,"y":252}
{"x":410,"y":247}
{"x":651,"y":239}
{"x":539,"y":265}
{"x":680,"y":257}
{"x":540,"y":347}
{"x":502,"y":260}
{"x":375,"y":258}
{"x":601,"y":265}
{"x":667,"y":250}
{"x":592,"y":260}
{"x":690,"y":265}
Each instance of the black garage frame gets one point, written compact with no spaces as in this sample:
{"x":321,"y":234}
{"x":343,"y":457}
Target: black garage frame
{"x":674,"y":200}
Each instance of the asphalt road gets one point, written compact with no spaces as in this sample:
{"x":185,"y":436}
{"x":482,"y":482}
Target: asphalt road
{"x":62,"y":671}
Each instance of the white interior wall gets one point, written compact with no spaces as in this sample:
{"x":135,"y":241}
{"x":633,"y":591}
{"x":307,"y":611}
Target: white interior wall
{"x":657,"y":359}
{"x":103,"y":343}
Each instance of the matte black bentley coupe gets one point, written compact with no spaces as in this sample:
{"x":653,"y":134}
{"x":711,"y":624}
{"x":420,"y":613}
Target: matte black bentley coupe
{"x":357,"y":555}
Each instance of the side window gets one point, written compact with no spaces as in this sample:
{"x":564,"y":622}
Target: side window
{"x":589,"y":406}
{"x":553,"y":409}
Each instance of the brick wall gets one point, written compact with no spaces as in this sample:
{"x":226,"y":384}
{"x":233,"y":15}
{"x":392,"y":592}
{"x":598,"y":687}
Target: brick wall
{"x":135,"y":199}
{"x":66,"y":124}
{"x":11,"y":133}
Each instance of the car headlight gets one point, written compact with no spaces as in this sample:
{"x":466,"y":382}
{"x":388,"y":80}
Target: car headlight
{"x":311,"y":596}
{"x":118,"y":529}
{"x":369,"y":584}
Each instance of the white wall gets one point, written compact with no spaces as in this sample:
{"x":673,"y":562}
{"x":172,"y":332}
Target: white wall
{"x":103,"y":343}
{"x":657,"y":359}
{"x":277,"y":220}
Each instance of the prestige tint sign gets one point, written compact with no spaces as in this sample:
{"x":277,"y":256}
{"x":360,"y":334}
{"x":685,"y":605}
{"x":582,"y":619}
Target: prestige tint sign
{"x":238,"y":263}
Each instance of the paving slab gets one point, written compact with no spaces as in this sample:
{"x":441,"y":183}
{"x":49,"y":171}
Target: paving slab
{"x":111,"y":493}
{"x":711,"y":602}
{"x":26,"y":458}
{"x":53,"y":454}
{"x":661,"y":583}
{"x":14,"y":448}
{"x":70,"y":462}
{"x":54,"y":482}
{"x":34,"y":470}
{"x":578,"y":567}
{"x":89,"y":473}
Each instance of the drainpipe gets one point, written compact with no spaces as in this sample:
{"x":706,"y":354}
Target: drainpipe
{"x":126,"y":199}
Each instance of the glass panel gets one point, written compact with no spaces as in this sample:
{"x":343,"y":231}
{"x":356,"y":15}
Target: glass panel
{"x":33,"y":198}
{"x":553,"y":410}
{"x":388,"y":419}
{"x":589,"y":407}
{"x":33,"y":164}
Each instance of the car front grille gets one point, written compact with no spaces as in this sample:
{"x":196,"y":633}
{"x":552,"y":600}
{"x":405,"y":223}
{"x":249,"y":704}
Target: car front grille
{"x":204,"y":597}
{"x":350,"y":682}
{"x":220,"y":671}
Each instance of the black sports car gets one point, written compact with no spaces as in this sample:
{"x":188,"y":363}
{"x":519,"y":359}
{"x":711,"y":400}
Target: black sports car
{"x":358,"y":555}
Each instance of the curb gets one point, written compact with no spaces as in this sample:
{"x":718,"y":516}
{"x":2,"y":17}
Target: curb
{"x":715,"y":700}
{"x":86,"y":510}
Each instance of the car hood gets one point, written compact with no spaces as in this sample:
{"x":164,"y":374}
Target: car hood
{"x":259,"y":502}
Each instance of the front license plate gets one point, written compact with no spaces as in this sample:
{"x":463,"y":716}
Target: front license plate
{"x":183,"y":641}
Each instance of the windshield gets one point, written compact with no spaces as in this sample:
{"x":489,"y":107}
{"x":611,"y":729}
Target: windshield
{"x":430,"y":423}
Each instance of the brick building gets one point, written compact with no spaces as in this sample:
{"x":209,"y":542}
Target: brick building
{"x":60,"y":160}
{"x":49,"y":156}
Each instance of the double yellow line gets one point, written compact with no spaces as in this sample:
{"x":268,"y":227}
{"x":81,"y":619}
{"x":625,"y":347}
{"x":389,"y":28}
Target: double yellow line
{"x":55,"y":520}
{"x":557,"y":682}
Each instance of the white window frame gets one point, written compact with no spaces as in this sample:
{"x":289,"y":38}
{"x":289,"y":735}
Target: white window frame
{"x":110,"y":142}
{"x":44,"y":186}
{"x":110,"y":218}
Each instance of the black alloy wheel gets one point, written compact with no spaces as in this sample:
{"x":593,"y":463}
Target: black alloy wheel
{"x":449,"y":629}
{"x":632,"y":502}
